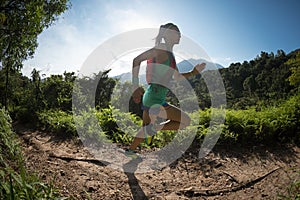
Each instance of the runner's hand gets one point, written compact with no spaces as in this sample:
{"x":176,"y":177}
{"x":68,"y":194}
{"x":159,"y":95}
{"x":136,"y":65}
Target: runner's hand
{"x":199,"y":67}
{"x":137,"y":94}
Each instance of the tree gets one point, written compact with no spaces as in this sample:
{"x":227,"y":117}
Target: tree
{"x":93,"y":91}
{"x":20,"y":24}
{"x":36,"y":80}
{"x":57,"y":91}
{"x":122,"y":100}
{"x":249,"y":84}
{"x":294,"y":78}
{"x":104,"y":90}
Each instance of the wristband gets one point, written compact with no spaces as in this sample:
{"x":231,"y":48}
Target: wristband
{"x":135,"y":80}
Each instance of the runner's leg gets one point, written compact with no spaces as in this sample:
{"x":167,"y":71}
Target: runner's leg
{"x":140,"y":135}
{"x":177,"y":118}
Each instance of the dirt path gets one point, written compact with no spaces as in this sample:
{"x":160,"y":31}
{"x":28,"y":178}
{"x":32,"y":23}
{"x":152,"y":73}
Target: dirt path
{"x":256,"y":172}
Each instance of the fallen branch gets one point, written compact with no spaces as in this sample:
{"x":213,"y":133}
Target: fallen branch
{"x":89,"y":160}
{"x":198,"y":193}
{"x":232,"y":177}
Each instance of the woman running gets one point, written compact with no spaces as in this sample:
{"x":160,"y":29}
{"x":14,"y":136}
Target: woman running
{"x":161,"y":69}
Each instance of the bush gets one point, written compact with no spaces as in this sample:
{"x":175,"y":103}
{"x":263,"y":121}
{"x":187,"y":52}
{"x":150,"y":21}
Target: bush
{"x":105,"y":124}
{"x":268,"y":124}
{"x":271,"y":123}
{"x":15,"y":181}
{"x":57,"y":121}
{"x":9,"y":150}
{"x":88,"y":127}
{"x":119,"y":126}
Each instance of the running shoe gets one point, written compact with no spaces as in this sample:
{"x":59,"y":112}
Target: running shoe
{"x":149,"y":132}
{"x":131,"y":154}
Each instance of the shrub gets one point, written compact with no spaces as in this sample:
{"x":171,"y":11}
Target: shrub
{"x":15,"y":181}
{"x":57,"y":121}
{"x":119,"y":126}
{"x":271,"y":123}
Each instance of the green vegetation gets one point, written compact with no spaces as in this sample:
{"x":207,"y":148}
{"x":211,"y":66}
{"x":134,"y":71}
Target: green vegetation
{"x":20,"y":24}
{"x":266,"y":113}
{"x":262,"y":81}
{"x":293,"y":191}
{"x":15,"y":181}
{"x":262,"y":100}
{"x":57,"y":121}
{"x":271,"y":123}
{"x":294,"y":62}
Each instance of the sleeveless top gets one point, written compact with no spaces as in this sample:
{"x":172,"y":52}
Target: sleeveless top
{"x":160,"y":73}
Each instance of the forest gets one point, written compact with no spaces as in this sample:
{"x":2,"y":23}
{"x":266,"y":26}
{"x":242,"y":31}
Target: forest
{"x":262,"y":97}
{"x":266,"y":87}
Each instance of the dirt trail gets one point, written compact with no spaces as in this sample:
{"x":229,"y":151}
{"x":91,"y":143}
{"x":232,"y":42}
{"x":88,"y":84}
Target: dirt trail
{"x":256,"y":172}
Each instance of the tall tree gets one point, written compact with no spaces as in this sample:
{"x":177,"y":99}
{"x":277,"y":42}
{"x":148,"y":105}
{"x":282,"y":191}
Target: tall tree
{"x":20,"y":24}
{"x":105,"y":86}
{"x":36,"y":81}
{"x":294,"y":78}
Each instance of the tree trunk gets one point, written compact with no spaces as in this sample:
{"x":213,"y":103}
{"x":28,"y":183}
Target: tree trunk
{"x":6,"y":86}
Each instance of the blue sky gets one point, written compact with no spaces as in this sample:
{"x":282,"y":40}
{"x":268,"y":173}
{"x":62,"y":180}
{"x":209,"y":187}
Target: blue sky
{"x":228,"y":30}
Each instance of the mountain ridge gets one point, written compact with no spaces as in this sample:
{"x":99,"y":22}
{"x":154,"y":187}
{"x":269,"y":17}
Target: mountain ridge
{"x":183,"y":66}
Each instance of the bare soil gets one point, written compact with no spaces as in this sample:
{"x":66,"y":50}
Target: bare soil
{"x":227,"y":172}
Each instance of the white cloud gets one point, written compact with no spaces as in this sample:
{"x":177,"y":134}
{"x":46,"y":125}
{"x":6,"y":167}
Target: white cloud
{"x":67,"y":44}
{"x":123,"y":64}
{"x":63,"y":47}
{"x":127,"y":19}
{"x":224,"y":61}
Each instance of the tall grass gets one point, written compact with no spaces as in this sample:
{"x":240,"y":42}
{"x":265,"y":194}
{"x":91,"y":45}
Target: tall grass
{"x":15,"y":181}
{"x":281,"y":123}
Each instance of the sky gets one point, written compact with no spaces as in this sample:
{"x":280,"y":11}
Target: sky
{"x":229,"y":31}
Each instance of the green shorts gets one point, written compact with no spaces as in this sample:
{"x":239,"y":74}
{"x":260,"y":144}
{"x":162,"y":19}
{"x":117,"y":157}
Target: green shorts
{"x":154,"y":98}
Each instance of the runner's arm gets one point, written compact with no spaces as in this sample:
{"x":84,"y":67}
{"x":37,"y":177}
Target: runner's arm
{"x":138,"y":91}
{"x":196,"y":70}
{"x":138,"y":60}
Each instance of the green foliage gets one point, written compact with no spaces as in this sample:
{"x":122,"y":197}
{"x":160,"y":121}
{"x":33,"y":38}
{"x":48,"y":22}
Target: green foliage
{"x":15,"y":181}
{"x":293,"y":191}
{"x":19,"y":93}
{"x":121,"y":99}
{"x":21,"y":23}
{"x":162,"y":138}
{"x":9,"y":146}
{"x":294,"y":78}
{"x":107,"y":124}
{"x":88,"y":127}
{"x":120,"y":127}
{"x":279,"y":122}
{"x":270,"y":123}
{"x":29,"y":96}
{"x":25,"y":186}
{"x":93,"y":91}
{"x":104,"y":89}
{"x":294,"y":62}
{"x":263,"y":79}
{"x":56,"y":91}
{"x":57,"y":121}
